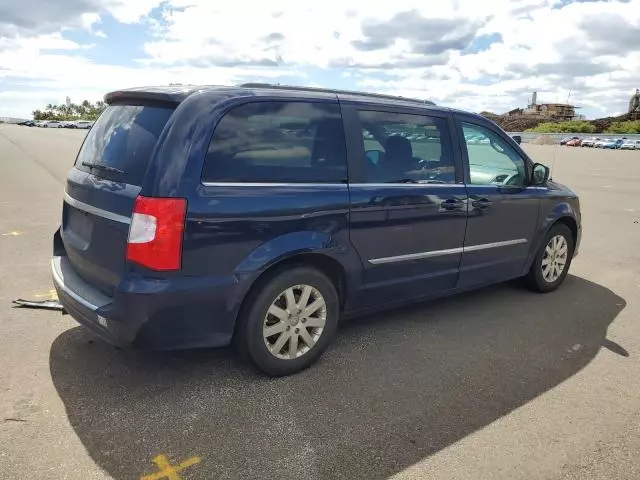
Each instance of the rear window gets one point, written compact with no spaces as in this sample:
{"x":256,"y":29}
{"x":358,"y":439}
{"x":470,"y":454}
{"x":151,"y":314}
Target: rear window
{"x":119,"y":145}
{"x":278,"y":142}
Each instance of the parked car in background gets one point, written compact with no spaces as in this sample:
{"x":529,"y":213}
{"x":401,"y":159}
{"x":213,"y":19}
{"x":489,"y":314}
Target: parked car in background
{"x":630,"y":145}
{"x":589,"y":142}
{"x":53,"y":124}
{"x":599,"y":143}
{"x":575,"y":142}
{"x":565,"y":140}
{"x":69,"y":124}
{"x":198,"y":220}
{"x":612,"y":144}
{"x":85,"y":124}
{"x":28,"y":123}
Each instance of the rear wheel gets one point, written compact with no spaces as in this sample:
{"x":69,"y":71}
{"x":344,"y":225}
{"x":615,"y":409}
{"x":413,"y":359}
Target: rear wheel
{"x":289,"y":321}
{"x":551,"y":264}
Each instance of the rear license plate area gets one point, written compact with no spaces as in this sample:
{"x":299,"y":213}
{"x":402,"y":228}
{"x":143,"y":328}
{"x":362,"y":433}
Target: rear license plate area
{"x":80,"y":224}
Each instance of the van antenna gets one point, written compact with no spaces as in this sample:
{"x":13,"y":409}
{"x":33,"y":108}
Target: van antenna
{"x":553,"y":159}
{"x":555,"y":148}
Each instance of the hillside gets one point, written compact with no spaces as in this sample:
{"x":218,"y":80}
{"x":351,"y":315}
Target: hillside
{"x":522,"y":123}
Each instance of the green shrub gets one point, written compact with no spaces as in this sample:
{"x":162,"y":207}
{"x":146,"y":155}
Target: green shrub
{"x":624,"y":127}
{"x":564,"y":127}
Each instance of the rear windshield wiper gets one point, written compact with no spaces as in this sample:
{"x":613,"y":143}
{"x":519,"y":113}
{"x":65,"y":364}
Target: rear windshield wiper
{"x":106,"y":168}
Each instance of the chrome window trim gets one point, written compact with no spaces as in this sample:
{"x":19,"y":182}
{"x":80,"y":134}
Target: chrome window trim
{"x":294,"y":184}
{"x":451,"y":251}
{"x":267,"y":184}
{"x":493,"y":185}
{"x":95,"y":210}
{"x":421,"y":185}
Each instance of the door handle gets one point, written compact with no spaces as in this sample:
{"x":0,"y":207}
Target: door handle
{"x":452,"y":204}
{"x":482,"y":203}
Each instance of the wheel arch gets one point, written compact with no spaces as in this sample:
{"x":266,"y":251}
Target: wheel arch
{"x":329,"y":266}
{"x":564,"y":218}
{"x":571,"y":223}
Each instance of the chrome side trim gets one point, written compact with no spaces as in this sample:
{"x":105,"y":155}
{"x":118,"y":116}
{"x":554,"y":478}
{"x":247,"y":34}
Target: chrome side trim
{"x":415,"y":256}
{"x":484,"y":246}
{"x":95,"y":210}
{"x":451,"y":251}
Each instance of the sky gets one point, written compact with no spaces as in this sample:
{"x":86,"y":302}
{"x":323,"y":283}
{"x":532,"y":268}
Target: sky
{"x":468,"y":54}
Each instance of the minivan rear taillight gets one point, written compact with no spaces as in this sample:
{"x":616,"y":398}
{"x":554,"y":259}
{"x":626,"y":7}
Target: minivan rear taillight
{"x":155,"y":234}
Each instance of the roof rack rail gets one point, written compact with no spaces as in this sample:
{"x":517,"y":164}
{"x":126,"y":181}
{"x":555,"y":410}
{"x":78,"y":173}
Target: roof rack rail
{"x":331,"y":90}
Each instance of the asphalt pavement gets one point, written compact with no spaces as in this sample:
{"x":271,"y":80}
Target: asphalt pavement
{"x":499,"y":383}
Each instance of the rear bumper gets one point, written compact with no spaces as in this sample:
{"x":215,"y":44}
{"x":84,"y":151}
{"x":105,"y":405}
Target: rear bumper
{"x":152,"y":313}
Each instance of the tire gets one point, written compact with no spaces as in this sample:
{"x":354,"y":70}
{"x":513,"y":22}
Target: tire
{"x":539,"y":278}
{"x":255,"y":316}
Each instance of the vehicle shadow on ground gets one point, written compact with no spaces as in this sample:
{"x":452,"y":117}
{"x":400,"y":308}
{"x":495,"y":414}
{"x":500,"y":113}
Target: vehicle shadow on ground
{"x":393,"y":389}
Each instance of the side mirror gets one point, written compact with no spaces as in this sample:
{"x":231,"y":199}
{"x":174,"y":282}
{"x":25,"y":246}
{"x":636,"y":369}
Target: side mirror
{"x":373,"y":156}
{"x":539,"y":174}
{"x":518,"y":139}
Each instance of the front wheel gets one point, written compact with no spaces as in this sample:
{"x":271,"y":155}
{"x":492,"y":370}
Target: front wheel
{"x":551,"y":264}
{"x":288,"y":322}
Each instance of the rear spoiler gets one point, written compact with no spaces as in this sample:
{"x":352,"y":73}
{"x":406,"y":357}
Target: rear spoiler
{"x":172,"y":95}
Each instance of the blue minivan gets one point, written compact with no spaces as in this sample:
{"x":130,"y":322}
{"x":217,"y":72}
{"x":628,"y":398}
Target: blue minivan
{"x":262,"y":214}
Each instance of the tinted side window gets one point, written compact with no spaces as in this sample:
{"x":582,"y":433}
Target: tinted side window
{"x":492,"y":161}
{"x":278,"y":142}
{"x":406,"y":148}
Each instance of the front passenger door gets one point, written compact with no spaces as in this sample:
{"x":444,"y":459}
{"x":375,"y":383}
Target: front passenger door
{"x":502,"y":209}
{"x":408,"y":204}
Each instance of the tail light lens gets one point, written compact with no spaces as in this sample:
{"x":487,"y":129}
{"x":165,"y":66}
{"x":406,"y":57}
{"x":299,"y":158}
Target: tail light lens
{"x":155,"y":234}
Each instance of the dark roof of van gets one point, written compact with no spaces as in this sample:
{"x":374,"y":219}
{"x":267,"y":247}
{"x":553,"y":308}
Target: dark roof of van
{"x":177,"y":93}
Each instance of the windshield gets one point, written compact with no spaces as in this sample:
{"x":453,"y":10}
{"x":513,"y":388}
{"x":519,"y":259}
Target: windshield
{"x":119,"y":145}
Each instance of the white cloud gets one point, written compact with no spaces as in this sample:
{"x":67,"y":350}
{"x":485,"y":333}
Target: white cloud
{"x":319,"y":35}
{"x":405,"y":47}
{"x":130,"y":11}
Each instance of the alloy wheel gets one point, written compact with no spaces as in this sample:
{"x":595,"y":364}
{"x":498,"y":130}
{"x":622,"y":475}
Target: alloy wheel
{"x":554,"y":259}
{"x":294,"y":322}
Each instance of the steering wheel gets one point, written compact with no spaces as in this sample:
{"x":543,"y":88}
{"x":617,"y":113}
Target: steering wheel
{"x":510,"y":178}
{"x":498,"y":148}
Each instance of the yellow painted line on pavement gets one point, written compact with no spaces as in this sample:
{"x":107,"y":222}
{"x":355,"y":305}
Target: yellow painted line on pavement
{"x":14,"y":233}
{"x":50,"y":295}
{"x":168,"y":471}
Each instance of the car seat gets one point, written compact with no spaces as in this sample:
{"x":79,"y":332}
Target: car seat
{"x":398,"y":160}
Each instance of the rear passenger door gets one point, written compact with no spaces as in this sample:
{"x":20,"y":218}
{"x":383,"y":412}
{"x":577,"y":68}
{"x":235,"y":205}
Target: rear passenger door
{"x":273,"y":183}
{"x":408,"y":202}
{"x":503,"y":209}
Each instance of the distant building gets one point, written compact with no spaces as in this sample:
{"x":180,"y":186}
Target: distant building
{"x":515,"y":112}
{"x":555,"y":111}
